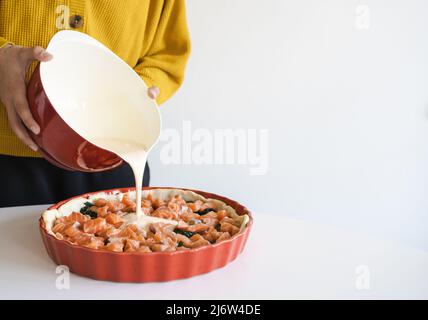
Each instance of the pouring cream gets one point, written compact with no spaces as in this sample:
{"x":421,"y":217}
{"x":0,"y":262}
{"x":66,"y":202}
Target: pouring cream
{"x":134,"y":154}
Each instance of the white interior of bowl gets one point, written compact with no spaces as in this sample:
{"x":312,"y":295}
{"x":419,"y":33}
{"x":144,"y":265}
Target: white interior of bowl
{"x":96,"y":93}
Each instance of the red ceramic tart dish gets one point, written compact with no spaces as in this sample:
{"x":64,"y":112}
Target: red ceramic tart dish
{"x":146,"y":266}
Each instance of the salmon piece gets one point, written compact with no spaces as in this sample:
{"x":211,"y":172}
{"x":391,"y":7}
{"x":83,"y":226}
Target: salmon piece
{"x":195,"y":206}
{"x":109,"y":231}
{"x":211,"y":222}
{"x":146,"y":206}
{"x":130,"y":208}
{"x":82,"y":238}
{"x":207,"y":205}
{"x":114,"y":220}
{"x":200,"y":243}
{"x":76,"y":217}
{"x":126,"y":199}
{"x":117,"y":239}
{"x":146,"y":203}
{"x":94,"y":243}
{"x":60,"y":220}
{"x":149,"y":241}
{"x":158,"y":237}
{"x":133,"y":227}
{"x":211,"y":235}
{"x":161,"y":227}
{"x":223,"y":236}
{"x":221,"y":215}
{"x":59,"y":227}
{"x":114,"y":206}
{"x":144,"y":249}
{"x":142,"y":233}
{"x":95,"y":226}
{"x":100,"y":202}
{"x":178,"y":199}
{"x":156,"y":203}
{"x":147,"y":211}
{"x":182,"y":248}
{"x":182,"y":225}
{"x":189,"y":215}
{"x":149,"y":235}
{"x":183,"y":239}
{"x":231,"y":221}
{"x":175,"y":209}
{"x":163,"y":233}
{"x":177,"y":205}
{"x":71,"y":231}
{"x":101,"y":211}
{"x":132,"y":245}
{"x":198,"y":228}
{"x":122,"y":213}
{"x":172,"y":242}
{"x":211,"y":214}
{"x":227,"y":227}
{"x":140,"y":238}
{"x":114,"y":246}
{"x":128,"y":232}
{"x":164,"y":213}
{"x":159,"y":247}
{"x":59,"y":236}
{"x":196,"y":237}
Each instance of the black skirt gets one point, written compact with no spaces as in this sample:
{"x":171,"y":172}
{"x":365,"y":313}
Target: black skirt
{"x":31,"y":181}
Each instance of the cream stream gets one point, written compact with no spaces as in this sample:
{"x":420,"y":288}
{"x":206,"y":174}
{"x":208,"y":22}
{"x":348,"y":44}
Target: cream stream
{"x":135,"y":155}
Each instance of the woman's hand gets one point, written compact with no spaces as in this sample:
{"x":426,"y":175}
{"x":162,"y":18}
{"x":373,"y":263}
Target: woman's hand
{"x":14,"y":62}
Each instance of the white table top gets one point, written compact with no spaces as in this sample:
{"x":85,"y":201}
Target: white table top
{"x":303,"y":260}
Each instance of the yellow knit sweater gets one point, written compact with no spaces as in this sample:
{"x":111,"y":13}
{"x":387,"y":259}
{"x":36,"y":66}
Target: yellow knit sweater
{"x":150,"y":35}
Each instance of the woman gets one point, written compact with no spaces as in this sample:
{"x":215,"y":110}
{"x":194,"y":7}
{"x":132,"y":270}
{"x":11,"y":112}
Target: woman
{"x":151,"y":36}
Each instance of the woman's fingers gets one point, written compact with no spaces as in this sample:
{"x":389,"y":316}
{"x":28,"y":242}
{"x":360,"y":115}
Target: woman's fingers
{"x":35,"y":53}
{"x":41,"y":54}
{"x":18,"y":128}
{"x":14,"y":61}
{"x":21,"y":107}
{"x":153,"y":92}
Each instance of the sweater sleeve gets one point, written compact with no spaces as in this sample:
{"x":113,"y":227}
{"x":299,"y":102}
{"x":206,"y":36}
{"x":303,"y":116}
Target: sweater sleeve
{"x":164,"y":61}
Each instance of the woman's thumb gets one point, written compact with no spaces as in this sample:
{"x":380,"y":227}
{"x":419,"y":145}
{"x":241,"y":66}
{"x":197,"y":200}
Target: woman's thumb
{"x":36,"y":53}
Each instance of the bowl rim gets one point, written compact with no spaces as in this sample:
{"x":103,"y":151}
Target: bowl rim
{"x":247,"y":229}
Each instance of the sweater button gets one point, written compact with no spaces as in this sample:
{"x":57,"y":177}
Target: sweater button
{"x":76,"y":21}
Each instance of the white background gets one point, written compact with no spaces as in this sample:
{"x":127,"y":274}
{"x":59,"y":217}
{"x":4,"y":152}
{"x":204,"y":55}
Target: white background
{"x":346,"y":109}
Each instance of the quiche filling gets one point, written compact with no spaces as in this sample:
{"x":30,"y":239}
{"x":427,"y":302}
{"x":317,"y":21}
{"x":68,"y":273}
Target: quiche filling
{"x":173,"y":220}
